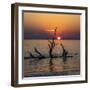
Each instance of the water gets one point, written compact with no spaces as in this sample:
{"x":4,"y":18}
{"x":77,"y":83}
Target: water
{"x":54,"y":66}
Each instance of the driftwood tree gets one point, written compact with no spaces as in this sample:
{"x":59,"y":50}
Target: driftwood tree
{"x":64,"y":53}
{"x":40,"y":56}
{"x":51,"y":46}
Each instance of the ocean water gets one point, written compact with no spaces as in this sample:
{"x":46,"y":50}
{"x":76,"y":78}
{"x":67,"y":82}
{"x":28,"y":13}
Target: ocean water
{"x":51,"y":66}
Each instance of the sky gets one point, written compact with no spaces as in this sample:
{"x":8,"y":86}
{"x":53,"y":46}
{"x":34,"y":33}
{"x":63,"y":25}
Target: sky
{"x":42,"y":25}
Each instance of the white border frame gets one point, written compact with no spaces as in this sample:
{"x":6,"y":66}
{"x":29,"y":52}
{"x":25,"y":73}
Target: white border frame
{"x":33,"y":80}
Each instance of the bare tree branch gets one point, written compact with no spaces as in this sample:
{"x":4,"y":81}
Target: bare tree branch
{"x":31,"y":55}
{"x":38,"y":52}
{"x":65,"y":52}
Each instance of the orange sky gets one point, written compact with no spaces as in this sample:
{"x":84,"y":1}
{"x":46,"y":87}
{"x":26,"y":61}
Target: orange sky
{"x":66,"y":23}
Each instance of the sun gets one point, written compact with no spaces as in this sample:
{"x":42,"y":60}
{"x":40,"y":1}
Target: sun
{"x":58,"y":38}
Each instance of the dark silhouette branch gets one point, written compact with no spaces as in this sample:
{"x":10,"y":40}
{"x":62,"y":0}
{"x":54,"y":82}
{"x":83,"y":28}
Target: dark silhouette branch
{"x":51,"y":47}
{"x":31,"y":55}
{"x":65,"y":52}
{"x":62,"y":47}
{"x":38,"y":52}
{"x":52,"y":44}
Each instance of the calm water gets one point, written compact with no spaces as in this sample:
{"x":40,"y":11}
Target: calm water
{"x":59,"y":66}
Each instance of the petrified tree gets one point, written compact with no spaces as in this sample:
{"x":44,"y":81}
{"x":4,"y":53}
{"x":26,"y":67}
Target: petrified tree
{"x":40,"y":56}
{"x":31,"y":55}
{"x":64,"y":53}
{"x":51,"y":46}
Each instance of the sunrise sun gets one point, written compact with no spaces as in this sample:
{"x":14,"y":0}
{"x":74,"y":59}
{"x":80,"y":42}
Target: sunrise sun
{"x":58,"y":38}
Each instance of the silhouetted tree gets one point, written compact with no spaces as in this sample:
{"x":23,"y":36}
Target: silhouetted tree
{"x":38,"y":52}
{"x":64,"y":53}
{"x":51,"y":46}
